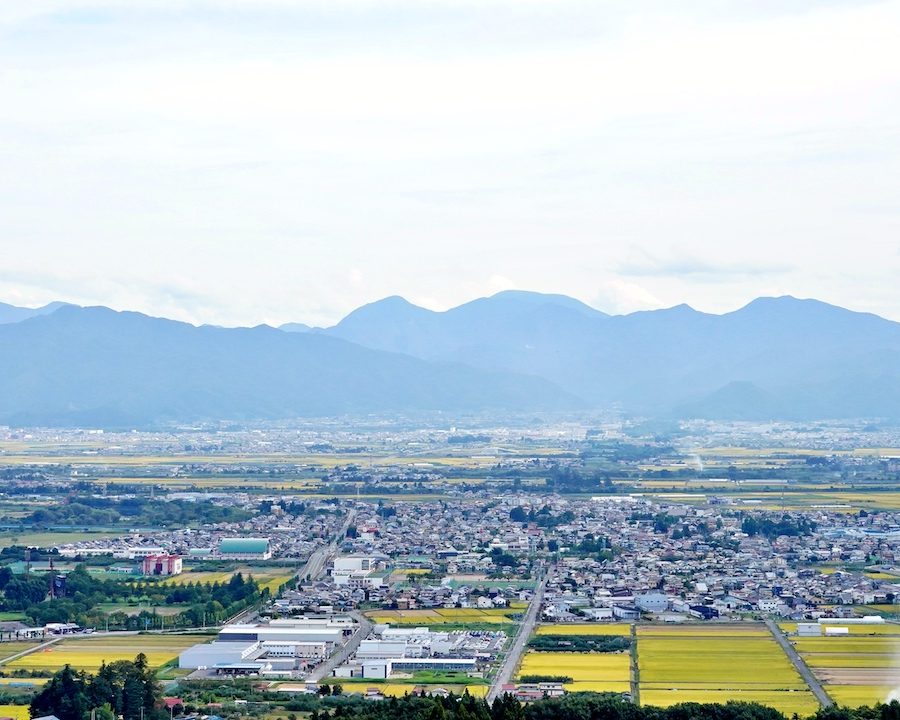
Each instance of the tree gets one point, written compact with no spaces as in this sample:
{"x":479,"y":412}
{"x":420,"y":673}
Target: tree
{"x":128,"y":689}
{"x":517,"y":514}
{"x":64,"y":696}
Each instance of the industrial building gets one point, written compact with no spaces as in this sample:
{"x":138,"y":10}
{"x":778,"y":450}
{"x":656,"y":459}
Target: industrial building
{"x":358,"y":571}
{"x":281,"y":647}
{"x":388,"y":650}
{"x":245,"y":549}
{"x":331,"y":635}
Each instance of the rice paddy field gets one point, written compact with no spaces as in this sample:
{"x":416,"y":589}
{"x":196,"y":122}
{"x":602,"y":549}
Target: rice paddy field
{"x":23,"y":682}
{"x":867,"y":629}
{"x":444,"y":616}
{"x":8,"y":649}
{"x":17,"y":712}
{"x":716,"y":663}
{"x":84,"y":653}
{"x":615,"y":629}
{"x":594,"y":672}
{"x":268,"y":577}
{"x":838,"y":501}
{"x":858,"y":669}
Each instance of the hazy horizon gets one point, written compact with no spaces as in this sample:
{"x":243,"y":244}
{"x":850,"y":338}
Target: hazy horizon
{"x":201,"y":322}
{"x":242,"y":162}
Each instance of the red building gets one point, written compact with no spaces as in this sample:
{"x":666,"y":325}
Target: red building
{"x":161,"y":565}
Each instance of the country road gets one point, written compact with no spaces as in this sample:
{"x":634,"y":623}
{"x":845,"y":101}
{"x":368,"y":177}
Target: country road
{"x":798,"y":663}
{"x":511,"y":662}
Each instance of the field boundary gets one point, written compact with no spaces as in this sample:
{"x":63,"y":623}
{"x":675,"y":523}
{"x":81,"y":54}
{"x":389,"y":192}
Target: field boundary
{"x":39,"y":646}
{"x":799,"y":664}
{"x":635,"y":668}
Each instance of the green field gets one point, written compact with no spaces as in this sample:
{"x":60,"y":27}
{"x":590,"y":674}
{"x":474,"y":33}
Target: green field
{"x":50,"y":539}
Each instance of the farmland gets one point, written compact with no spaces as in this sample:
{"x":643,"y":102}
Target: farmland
{"x":620,"y":629}
{"x":17,"y":712}
{"x":860,"y":629}
{"x":444,"y":616}
{"x":8,"y":649}
{"x":267,"y":577}
{"x":857,"y":669}
{"x":598,"y":672}
{"x":90,"y":653}
{"x":716,"y":663}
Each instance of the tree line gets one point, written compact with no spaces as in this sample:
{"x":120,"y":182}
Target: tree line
{"x":209,"y":602}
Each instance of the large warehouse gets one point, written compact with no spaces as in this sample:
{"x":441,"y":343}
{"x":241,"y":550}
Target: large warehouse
{"x":245,"y":549}
{"x":285,"y":633}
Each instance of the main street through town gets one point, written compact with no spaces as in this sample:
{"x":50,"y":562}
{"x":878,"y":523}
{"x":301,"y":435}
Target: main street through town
{"x":511,"y":662}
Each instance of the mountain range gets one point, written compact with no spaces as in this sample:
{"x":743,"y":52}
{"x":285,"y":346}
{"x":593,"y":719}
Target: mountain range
{"x":776,"y":358}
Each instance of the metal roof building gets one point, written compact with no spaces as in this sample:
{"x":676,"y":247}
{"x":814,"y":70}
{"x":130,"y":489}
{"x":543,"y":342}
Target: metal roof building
{"x":245,"y":549}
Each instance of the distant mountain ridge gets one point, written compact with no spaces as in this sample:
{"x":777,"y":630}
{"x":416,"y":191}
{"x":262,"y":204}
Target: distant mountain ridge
{"x":775,"y":358}
{"x":96,"y":366}
{"x":14,"y":314}
{"x":803,"y":359}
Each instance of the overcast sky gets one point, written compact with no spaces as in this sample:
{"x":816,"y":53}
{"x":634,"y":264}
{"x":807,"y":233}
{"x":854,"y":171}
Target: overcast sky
{"x":247,"y":161}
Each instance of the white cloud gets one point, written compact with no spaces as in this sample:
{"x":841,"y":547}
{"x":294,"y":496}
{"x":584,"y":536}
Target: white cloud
{"x":320,"y":155}
{"x":618,"y":297}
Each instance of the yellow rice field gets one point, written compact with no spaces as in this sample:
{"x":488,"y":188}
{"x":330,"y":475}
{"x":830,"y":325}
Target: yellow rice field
{"x":885,"y":629}
{"x":91,"y":653}
{"x":8,"y":649}
{"x":688,"y":630}
{"x":271,"y":578}
{"x":18,"y":712}
{"x":858,"y":695}
{"x":839,"y":660}
{"x":715,"y":663}
{"x":597,"y":672}
{"x":854,"y":670}
{"x":882,"y":645}
{"x":36,"y":682}
{"x":443,"y":616}
{"x":616,"y":629}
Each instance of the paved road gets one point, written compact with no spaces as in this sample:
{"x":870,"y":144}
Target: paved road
{"x":346,"y":650}
{"x":317,"y":562}
{"x":315,"y":566}
{"x":511,"y":662}
{"x":801,"y":666}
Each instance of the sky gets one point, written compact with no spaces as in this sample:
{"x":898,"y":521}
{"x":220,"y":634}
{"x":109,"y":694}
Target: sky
{"x":246,"y":161}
